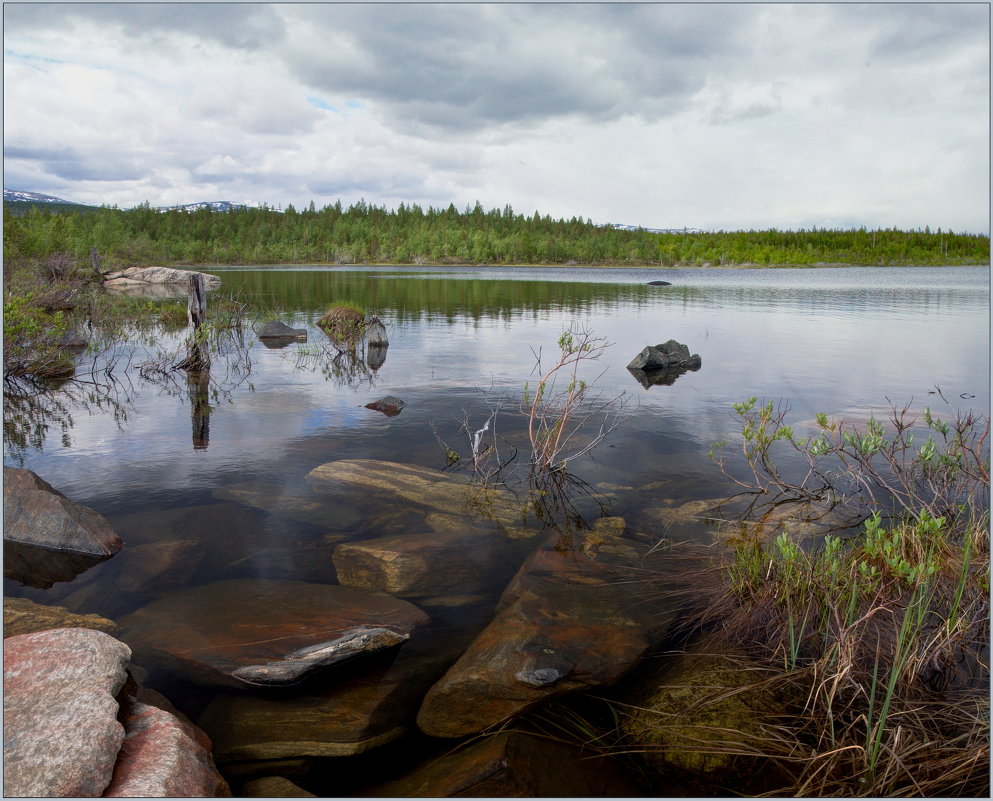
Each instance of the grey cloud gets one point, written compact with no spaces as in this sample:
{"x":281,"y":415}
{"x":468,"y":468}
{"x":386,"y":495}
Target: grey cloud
{"x":237,"y":25}
{"x":465,"y":67}
{"x":915,"y":32}
{"x":70,"y":165}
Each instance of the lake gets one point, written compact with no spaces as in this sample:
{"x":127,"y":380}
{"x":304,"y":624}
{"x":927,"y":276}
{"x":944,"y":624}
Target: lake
{"x":463,"y":341}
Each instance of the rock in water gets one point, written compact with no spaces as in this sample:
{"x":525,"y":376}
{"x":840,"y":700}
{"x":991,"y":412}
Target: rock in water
{"x":60,"y":726}
{"x":36,"y":513}
{"x":391,"y":406}
{"x":512,"y":765}
{"x":276,"y":329}
{"x":268,"y":632}
{"x":295,"y":667}
{"x":423,"y":487}
{"x":569,"y":620}
{"x":21,"y":616}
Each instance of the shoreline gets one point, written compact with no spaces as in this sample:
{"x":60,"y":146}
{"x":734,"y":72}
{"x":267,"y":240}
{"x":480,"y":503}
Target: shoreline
{"x":744,"y":266}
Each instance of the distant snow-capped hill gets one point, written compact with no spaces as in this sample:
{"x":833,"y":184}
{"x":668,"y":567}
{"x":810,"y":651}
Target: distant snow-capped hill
{"x":624,"y":227}
{"x":213,"y":205}
{"x":16,"y":196}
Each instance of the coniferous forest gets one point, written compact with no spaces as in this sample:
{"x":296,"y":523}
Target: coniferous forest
{"x":368,"y":234}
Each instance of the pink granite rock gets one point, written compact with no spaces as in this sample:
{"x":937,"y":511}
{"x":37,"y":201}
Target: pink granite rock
{"x":164,"y":755}
{"x":60,"y":727}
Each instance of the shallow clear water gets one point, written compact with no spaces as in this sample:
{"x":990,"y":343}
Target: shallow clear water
{"x":836,"y":340}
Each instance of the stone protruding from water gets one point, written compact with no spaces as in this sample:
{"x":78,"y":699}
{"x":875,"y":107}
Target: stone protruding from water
{"x":268,"y":632}
{"x":76,"y":725}
{"x":390,"y":405}
{"x":666,"y":356}
{"x":278,"y":330}
{"x":569,"y":620}
{"x":35,"y":513}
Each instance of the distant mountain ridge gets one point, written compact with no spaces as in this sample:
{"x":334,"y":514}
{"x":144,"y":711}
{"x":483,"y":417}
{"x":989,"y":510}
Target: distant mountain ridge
{"x":17,"y":196}
{"x":213,"y":205}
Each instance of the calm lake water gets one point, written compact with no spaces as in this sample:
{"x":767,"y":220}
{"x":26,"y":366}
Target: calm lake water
{"x":836,"y":340}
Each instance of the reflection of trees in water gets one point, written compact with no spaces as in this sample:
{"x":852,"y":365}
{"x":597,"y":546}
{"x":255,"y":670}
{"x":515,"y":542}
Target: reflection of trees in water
{"x":107,"y":382}
{"x":34,"y":410}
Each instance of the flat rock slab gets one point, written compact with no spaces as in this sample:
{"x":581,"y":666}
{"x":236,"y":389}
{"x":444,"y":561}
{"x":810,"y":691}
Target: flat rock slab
{"x":291,"y":503}
{"x":158,"y":275}
{"x":21,"y":616}
{"x":263,"y":631}
{"x":367,"y":706}
{"x":569,"y":620}
{"x":36,"y":513}
{"x":512,"y":765}
{"x":60,"y":726}
{"x":423,"y":487}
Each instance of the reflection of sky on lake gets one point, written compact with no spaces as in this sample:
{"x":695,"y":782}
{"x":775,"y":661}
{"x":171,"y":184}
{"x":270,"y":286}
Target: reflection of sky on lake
{"x":824,"y":340}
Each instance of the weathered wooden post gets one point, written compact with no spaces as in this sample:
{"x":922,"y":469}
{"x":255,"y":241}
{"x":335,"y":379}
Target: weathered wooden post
{"x":197,"y":352}
{"x":96,"y":261}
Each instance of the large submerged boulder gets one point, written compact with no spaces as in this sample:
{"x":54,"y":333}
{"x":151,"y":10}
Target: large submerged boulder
{"x":512,"y":765}
{"x":569,"y":620}
{"x":267,"y":632}
{"x":35,"y":513}
{"x":421,"y":487}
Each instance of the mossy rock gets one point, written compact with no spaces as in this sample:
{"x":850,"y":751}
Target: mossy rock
{"x":698,"y":711}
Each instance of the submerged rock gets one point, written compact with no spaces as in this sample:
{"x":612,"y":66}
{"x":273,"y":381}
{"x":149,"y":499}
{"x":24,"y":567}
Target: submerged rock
{"x":268,"y":632}
{"x":696,"y":710}
{"x":569,"y":620}
{"x":21,"y":616}
{"x":425,"y":488}
{"x":432,"y":563}
{"x":512,"y":765}
{"x":292,"y":503}
{"x":367,"y":706}
{"x":39,"y":567}
{"x":273,"y":787}
{"x":35,"y":513}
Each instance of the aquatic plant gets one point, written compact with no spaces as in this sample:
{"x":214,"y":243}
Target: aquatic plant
{"x":878,"y":466}
{"x":558,"y":415}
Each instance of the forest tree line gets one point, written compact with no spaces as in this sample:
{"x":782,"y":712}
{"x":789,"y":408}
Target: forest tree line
{"x":363,"y":234}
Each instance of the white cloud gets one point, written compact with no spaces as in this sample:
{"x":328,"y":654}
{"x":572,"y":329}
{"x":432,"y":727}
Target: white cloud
{"x":716,"y":116}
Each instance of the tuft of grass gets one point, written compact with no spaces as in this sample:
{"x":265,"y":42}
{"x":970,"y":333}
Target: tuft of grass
{"x":344,"y":323}
{"x":883,"y":640}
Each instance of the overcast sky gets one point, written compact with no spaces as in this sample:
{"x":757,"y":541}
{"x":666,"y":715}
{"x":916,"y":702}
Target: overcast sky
{"x":710,"y":116}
